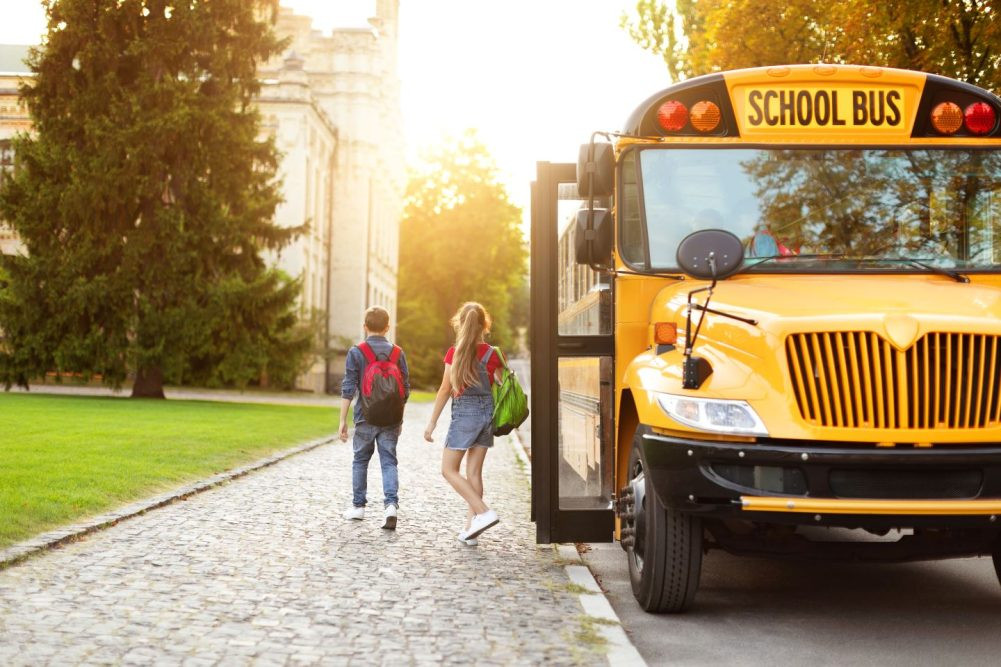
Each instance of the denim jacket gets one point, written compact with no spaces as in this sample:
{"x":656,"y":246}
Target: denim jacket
{"x":354,"y":369}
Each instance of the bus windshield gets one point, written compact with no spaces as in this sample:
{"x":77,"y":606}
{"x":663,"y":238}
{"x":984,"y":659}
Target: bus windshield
{"x":818,"y":210}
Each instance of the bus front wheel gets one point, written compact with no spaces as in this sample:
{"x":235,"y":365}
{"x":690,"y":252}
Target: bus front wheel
{"x":663,"y":546}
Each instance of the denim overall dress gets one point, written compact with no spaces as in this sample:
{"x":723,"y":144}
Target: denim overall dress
{"x":472,"y":422}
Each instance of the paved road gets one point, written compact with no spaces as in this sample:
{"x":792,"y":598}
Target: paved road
{"x":264,"y":571}
{"x":771,"y":612}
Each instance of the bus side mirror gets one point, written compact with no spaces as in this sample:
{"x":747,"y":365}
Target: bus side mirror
{"x":593,"y":243}
{"x":600,"y":164}
{"x":710,"y":254}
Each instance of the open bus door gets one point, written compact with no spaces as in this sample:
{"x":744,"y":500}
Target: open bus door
{"x":572,"y":348}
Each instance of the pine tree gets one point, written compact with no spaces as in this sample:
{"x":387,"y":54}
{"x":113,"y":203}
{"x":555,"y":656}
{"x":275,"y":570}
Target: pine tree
{"x":145,"y":200}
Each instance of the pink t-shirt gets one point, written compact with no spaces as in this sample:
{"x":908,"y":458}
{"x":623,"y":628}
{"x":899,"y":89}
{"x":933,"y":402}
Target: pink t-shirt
{"x":492,"y":364}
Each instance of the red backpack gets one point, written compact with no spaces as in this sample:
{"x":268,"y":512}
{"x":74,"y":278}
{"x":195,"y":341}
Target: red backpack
{"x":382,"y":394}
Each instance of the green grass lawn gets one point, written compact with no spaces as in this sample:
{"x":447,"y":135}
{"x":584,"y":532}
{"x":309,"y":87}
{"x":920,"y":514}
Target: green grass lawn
{"x":66,"y":457}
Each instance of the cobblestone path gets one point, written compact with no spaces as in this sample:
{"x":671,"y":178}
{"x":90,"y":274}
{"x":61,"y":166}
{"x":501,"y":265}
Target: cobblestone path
{"x":265,"y":571}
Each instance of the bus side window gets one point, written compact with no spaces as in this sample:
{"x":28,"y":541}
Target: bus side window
{"x":632,"y":249}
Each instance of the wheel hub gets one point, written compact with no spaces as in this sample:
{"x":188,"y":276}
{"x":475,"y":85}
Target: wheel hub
{"x":638,"y":522}
{"x":632,"y":512}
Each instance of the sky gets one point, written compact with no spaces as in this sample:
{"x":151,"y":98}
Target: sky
{"x":534,"y":77}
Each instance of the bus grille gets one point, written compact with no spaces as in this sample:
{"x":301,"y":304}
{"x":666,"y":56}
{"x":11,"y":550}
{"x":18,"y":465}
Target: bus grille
{"x":855,"y":379}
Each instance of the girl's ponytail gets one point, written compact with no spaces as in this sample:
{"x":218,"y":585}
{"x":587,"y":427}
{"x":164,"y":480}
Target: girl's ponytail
{"x":470,"y":322}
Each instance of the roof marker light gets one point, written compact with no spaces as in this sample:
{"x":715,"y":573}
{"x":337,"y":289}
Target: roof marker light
{"x":980,"y":118}
{"x":705,"y":116}
{"x":947,"y":117}
{"x":672,"y":115}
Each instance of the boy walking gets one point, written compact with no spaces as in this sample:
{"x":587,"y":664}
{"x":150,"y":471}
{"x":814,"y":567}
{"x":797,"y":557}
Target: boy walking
{"x":376,"y":370}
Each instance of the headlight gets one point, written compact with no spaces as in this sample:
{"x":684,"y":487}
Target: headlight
{"x":712,"y":414}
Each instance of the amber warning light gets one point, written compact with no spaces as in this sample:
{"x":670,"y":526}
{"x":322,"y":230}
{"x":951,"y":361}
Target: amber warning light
{"x":705,"y":116}
{"x":947,"y":118}
{"x":665,"y":333}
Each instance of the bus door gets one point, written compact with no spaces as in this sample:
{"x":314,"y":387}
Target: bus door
{"x":572,"y":384}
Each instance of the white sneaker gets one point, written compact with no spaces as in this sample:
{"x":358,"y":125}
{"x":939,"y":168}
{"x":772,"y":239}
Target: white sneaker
{"x":390,"y":523}
{"x":472,"y":542}
{"x":355,"y":513}
{"x":480,"y":523}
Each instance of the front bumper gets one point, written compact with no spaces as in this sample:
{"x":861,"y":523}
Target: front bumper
{"x":832,"y":484}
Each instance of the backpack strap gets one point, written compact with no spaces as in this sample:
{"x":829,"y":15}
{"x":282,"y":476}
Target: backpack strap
{"x":486,"y":355}
{"x":366,"y":350}
{"x":394,"y":356}
{"x":500,"y":355}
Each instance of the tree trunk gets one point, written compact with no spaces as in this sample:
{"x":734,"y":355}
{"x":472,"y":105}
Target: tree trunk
{"x":149,"y":383}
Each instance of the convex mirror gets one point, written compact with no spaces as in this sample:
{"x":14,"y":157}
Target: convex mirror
{"x":593,"y":242}
{"x":710,"y":254}
{"x":600,"y":164}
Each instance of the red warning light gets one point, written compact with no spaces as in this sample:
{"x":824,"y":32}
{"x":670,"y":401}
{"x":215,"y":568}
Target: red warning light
{"x":672,"y":115}
{"x":979,"y":118}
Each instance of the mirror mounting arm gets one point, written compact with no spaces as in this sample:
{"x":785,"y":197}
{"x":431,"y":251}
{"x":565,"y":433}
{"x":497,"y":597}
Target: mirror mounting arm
{"x":689,"y":338}
{"x":745,"y":320}
{"x":695,"y":370}
{"x":590,"y":167}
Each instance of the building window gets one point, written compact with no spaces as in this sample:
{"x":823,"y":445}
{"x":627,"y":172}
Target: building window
{"x":6,"y":161}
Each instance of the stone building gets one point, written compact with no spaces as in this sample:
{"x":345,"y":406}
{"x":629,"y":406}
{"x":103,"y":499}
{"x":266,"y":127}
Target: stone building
{"x":14,"y":118}
{"x":350,"y":74}
{"x":307,"y":140}
{"x":331,"y":101}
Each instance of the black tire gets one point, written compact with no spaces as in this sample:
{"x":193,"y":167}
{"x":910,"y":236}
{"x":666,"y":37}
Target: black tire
{"x":664,"y":548}
{"x":997,"y":560}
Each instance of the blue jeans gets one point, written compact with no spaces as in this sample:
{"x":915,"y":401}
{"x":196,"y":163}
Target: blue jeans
{"x":365,"y":440}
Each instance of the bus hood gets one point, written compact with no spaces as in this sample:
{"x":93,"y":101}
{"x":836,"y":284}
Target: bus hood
{"x":770,"y":363}
{"x":784,"y":303}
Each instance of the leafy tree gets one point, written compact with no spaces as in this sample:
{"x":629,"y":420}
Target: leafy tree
{"x":145,"y":199}
{"x":460,"y":240}
{"x":956,"y":38}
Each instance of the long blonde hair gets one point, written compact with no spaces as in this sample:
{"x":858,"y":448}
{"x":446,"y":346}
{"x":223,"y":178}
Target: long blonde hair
{"x":470,"y":322}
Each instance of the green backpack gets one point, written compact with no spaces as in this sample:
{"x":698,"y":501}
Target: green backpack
{"x":510,"y":402}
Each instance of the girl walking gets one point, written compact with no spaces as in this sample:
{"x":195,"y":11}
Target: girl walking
{"x":470,"y":368}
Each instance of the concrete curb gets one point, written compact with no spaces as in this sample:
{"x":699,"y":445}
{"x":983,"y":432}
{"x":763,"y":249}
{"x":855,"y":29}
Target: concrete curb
{"x":41,"y":543}
{"x":621,"y":652}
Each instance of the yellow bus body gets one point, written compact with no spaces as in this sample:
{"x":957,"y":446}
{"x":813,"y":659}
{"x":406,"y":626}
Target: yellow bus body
{"x":898,"y":310}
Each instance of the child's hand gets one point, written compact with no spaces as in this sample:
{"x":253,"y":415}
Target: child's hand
{"x":344,"y":431}
{"x":427,"y":433}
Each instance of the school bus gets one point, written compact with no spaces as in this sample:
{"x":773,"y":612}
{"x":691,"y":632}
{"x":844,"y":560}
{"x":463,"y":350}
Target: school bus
{"x":766,"y":318}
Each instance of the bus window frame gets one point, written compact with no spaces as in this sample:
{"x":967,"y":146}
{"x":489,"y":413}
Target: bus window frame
{"x":772,"y":269}
{"x":620,"y":198}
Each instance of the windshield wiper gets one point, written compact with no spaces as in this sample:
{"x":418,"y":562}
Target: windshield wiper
{"x":769,"y":258}
{"x":955,"y":275}
{"x":652,"y":273}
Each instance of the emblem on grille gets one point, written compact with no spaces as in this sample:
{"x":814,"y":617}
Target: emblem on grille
{"x":901,"y":330}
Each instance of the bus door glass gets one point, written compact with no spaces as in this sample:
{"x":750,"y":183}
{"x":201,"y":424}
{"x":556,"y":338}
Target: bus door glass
{"x":572,"y":371}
